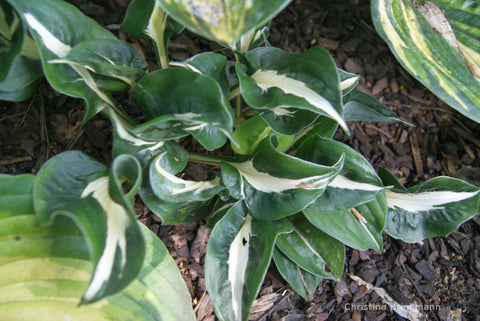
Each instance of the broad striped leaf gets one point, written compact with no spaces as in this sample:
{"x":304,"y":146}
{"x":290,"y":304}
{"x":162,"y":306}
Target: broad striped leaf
{"x":434,"y":208}
{"x":291,"y":90}
{"x":44,"y":270}
{"x":276,"y":185}
{"x":238,"y":255}
{"x":428,"y":55}
{"x":74,"y":185}
{"x":223,"y":20}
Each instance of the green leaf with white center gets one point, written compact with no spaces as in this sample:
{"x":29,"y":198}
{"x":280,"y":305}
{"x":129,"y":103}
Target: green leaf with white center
{"x":174,"y":189}
{"x":312,"y":249}
{"x":362,"y":107}
{"x":250,"y":40}
{"x":223,"y":20}
{"x":238,"y":256}
{"x":276,"y":185}
{"x":251,"y":132}
{"x":360,"y":227}
{"x":52,"y":24}
{"x":428,"y":50}
{"x":190,"y":200}
{"x":209,"y":64}
{"x":44,"y":270}
{"x":357,"y":182}
{"x":303,"y":282}
{"x":180,"y":100}
{"x":434,"y":208}
{"x":89,"y":193}
{"x":291,"y":90}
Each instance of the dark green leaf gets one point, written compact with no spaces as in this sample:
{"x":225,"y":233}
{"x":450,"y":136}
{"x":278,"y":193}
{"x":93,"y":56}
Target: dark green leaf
{"x":238,"y":255}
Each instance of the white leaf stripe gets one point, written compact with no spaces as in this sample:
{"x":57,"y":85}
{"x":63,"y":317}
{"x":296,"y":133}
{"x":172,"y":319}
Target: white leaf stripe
{"x":425,"y":201}
{"x":341,"y":181}
{"x":237,"y":265}
{"x":266,"y":183}
{"x":49,"y":40}
{"x":266,"y":79}
{"x":117,"y":223}
{"x":188,"y":186}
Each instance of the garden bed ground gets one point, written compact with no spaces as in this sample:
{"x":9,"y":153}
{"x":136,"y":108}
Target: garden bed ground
{"x":441,"y":275}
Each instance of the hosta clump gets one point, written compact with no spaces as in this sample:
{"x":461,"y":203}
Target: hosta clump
{"x":286,"y":193}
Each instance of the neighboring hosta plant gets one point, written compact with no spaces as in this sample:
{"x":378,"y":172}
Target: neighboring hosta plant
{"x":438,"y":42}
{"x":288,"y":192}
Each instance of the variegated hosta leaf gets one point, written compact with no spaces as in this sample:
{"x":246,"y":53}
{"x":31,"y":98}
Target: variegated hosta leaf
{"x":357,"y":182}
{"x":44,"y":270}
{"x":146,"y":19}
{"x":209,"y":64}
{"x":312,"y":249}
{"x":75,"y":185}
{"x":291,"y":90}
{"x":127,"y":140}
{"x":434,"y":208}
{"x":362,"y":107}
{"x":303,"y":282}
{"x":174,"y":189}
{"x":251,"y":132}
{"x":111,"y":58}
{"x":425,"y":52}
{"x":178,"y":99}
{"x":252,"y":39}
{"x":359,"y":227}
{"x":172,"y":199}
{"x":276,"y":185}
{"x":348,"y":81}
{"x":238,"y":255}
{"x":223,"y":20}
{"x":54,"y":26}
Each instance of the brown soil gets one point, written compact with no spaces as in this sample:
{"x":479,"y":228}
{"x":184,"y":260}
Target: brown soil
{"x":440,"y":275}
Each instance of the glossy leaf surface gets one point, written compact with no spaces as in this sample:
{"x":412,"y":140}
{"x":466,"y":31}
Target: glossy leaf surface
{"x":178,"y":97}
{"x":427,"y":54}
{"x":238,"y":255}
{"x":44,"y":270}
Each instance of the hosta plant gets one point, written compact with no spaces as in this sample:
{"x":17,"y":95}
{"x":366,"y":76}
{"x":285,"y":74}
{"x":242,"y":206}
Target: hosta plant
{"x":280,"y":190}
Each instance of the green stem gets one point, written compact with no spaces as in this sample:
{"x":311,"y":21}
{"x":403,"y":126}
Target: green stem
{"x":162,"y":49}
{"x":206,"y":159}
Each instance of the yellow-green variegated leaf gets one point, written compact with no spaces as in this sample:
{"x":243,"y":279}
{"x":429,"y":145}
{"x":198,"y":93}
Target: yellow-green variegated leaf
{"x":434,"y":208}
{"x":238,"y":256}
{"x":223,"y":20}
{"x":44,"y":270}
{"x":276,"y":185}
{"x":74,"y":185}
{"x":424,"y":42}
